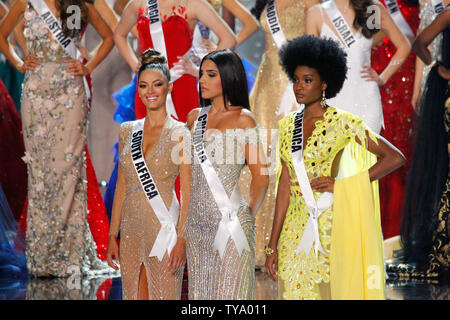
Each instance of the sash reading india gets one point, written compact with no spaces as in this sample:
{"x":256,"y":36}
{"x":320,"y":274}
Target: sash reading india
{"x":167,"y":236}
{"x":229,"y":225}
{"x":55,"y":28}
{"x":315,"y":208}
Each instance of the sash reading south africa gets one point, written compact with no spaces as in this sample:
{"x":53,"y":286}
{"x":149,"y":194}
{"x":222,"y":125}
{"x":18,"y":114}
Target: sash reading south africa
{"x":315,"y":209}
{"x":229,"y":225}
{"x":55,"y":28}
{"x":167,"y":236}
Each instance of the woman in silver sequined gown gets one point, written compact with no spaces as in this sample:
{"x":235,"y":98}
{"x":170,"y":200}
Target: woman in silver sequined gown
{"x":54,"y":120}
{"x":236,"y":136}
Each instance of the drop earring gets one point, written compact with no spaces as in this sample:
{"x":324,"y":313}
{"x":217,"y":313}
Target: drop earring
{"x":323,"y":103}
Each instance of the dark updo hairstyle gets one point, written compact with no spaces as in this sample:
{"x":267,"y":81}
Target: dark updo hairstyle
{"x":323,"y":55}
{"x":152,"y":59}
{"x":62,"y":6}
{"x":361,"y":14}
{"x":232,"y":76}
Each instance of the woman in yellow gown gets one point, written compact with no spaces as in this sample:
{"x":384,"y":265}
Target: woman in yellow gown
{"x":265,"y":100}
{"x":347,"y":260}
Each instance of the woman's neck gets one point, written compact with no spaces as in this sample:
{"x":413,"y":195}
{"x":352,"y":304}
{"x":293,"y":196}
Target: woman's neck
{"x":314,"y":110}
{"x":218,"y":104}
{"x":155,"y":118}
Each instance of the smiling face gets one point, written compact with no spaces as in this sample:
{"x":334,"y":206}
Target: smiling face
{"x":153,"y":88}
{"x":307,"y":85}
{"x":210,"y":81}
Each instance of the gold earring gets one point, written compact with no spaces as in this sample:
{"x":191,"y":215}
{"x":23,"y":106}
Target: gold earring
{"x":323,"y":103}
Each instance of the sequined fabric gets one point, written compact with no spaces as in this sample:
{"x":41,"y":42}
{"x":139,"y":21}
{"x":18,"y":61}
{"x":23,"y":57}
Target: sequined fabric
{"x":427,"y":16}
{"x":440,"y":255}
{"x":398,"y":115}
{"x":140,"y":226}
{"x":265,"y":99}
{"x":54,"y":121}
{"x":301,"y":276}
{"x":210,"y":277}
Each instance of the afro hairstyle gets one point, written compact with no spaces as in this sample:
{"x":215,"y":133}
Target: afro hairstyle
{"x":323,"y":55}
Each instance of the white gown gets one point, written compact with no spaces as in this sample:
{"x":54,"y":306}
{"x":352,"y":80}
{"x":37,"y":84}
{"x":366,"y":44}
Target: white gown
{"x":358,"y":96}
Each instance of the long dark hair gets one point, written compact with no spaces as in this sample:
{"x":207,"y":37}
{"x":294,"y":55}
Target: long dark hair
{"x":427,"y":174}
{"x":62,"y":6}
{"x":232,"y":76}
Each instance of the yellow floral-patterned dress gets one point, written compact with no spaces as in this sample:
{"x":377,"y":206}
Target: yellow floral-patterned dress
{"x":300,"y":276}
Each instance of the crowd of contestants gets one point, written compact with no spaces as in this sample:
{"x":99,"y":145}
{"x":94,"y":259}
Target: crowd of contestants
{"x":339,"y":143}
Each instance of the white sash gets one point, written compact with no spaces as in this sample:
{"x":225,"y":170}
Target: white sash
{"x":229,"y":225}
{"x":398,"y":18}
{"x":159,"y":44}
{"x":438,"y":6}
{"x":315,"y":208}
{"x":55,"y":28}
{"x":167,"y":236}
{"x":339,"y":23}
{"x":288,"y":98}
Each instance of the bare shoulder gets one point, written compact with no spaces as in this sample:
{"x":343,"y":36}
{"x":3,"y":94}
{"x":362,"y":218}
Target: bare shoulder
{"x":314,"y":10}
{"x":246,"y":119}
{"x":309,"y":4}
{"x":191,"y":117}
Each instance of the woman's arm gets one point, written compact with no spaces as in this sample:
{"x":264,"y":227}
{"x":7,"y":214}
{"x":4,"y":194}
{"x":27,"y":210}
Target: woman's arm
{"x":256,"y":162}
{"x":402,"y":44}
{"x":107,"y":13}
{"x":420,"y":45}
{"x":240,"y":12}
{"x":126,"y":23}
{"x":418,"y":71}
{"x":112,"y":252}
{"x":389,"y":157}
{"x":3,"y":10}
{"x":6,"y":27}
{"x":313,"y":20}
{"x":281,"y":206}
{"x":178,"y":254}
{"x":105,"y":33}
{"x":202,"y":11}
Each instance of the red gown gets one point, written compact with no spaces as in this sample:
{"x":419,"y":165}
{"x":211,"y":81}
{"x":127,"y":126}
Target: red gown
{"x":178,"y":37}
{"x":13,"y":171}
{"x":398,"y":118}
